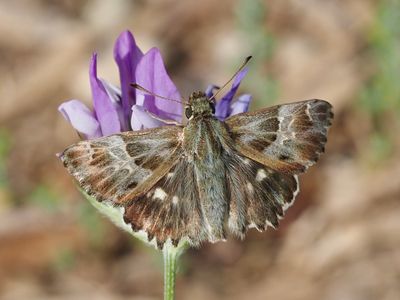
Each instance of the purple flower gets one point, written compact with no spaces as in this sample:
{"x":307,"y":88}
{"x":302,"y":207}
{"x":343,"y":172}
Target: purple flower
{"x":151,"y":74}
{"x":125,"y":108}
{"x":226,"y":106}
{"x":127,"y":56}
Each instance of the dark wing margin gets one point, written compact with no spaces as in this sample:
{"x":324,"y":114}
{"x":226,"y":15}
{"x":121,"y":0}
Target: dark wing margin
{"x":121,"y":167}
{"x":286,"y":138}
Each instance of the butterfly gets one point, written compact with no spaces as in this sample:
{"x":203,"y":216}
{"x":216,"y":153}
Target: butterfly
{"x":208,"y":178}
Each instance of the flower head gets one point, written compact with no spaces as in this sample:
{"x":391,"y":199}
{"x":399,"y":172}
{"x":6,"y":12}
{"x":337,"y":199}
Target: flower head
{"x":125,"y":108}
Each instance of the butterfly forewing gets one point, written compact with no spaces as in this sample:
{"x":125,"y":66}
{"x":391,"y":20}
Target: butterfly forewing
{"x":121,"y":167}
{"x":287,"y":138}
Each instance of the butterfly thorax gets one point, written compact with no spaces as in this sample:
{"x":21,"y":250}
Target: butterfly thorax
{"x":205,"y":137}
{"x":199,"y":106}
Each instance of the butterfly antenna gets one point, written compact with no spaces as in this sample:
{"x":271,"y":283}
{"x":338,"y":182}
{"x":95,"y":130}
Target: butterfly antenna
{"x":80,"y":135}
{"x":142,"y":89}
{"x":233,"y":76}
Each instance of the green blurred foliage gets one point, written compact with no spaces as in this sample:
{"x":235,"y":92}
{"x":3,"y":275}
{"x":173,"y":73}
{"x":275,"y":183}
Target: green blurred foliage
{"x":64,"y":261}
{"x":5,"y":143}
{"x":251,"y":17}
{"x":381,"y":96}
{"x":5,"y":192}
{"x":91,"y":220}
{"x":44,"y":197}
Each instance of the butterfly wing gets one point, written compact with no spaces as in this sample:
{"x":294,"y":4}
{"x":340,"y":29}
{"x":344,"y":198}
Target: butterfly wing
{"x":143,"y":172}
{"x":286,"y":138}
{"x":121,"y":167}
{"x":259,"y":195}
{"x":273,"y":144}
{"x":170,"y":209}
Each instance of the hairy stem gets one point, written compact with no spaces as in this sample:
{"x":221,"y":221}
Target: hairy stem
{"x":171,"y":255}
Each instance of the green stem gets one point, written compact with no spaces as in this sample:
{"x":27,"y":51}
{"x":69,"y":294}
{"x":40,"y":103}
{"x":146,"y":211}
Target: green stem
{"x":171,"y":255}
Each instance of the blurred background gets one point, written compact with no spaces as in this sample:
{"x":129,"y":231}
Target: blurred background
{"x":341,"y":239}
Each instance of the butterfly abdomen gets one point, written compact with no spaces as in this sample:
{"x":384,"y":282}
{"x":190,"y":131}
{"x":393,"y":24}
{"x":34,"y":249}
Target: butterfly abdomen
{"x":205,"y":148}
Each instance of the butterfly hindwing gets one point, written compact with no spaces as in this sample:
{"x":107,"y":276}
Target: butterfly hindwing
{"x":121,"y":167}
{"x":287,"y":138}
{"x":259,"y":195}
{"x":171,"y":209}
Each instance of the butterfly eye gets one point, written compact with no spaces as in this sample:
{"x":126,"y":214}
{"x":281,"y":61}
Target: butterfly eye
{"x":188,"y":112}
{"x":212,"y":106}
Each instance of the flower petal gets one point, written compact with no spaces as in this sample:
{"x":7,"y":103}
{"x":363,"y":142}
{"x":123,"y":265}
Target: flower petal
{"x":105,"y":111}
{"x":81,"y":118}
{"x":127,"y":55}
{"x":114,"y":93}
{"x":151,"y":74}
{"x":142,"y":120}
{"x":241,"y":104}
{"x":210,"y":90}
{"x":222,"y":108}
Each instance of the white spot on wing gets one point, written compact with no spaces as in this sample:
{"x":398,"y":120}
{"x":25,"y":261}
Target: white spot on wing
{"x":253,"y":225}
{"x":159,"y":194}
{"x":246,"y":161}
{"x":270,"y":224}
{"x":170,"y":174}
{"x":280,"y":119}
{"x":250,"y":187}
{"x":175,"y":200}
{"x":284,"y":138}
{"x":261,"y":174}
{"x":181,"y":136}
{"x":308,"y":112}
{"x":291,"y":123}
{"x":290,"y":203}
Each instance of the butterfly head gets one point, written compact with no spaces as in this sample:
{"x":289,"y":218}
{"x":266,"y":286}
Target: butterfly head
{"x":199,"y":105}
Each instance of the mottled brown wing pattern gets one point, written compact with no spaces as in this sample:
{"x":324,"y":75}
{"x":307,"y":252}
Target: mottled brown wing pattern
{"x":286,"y":138}
{"x":159,"y":179}
{"x":171,"y":209}
{"x":121,"y":167}
{"x":259,"y":196}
